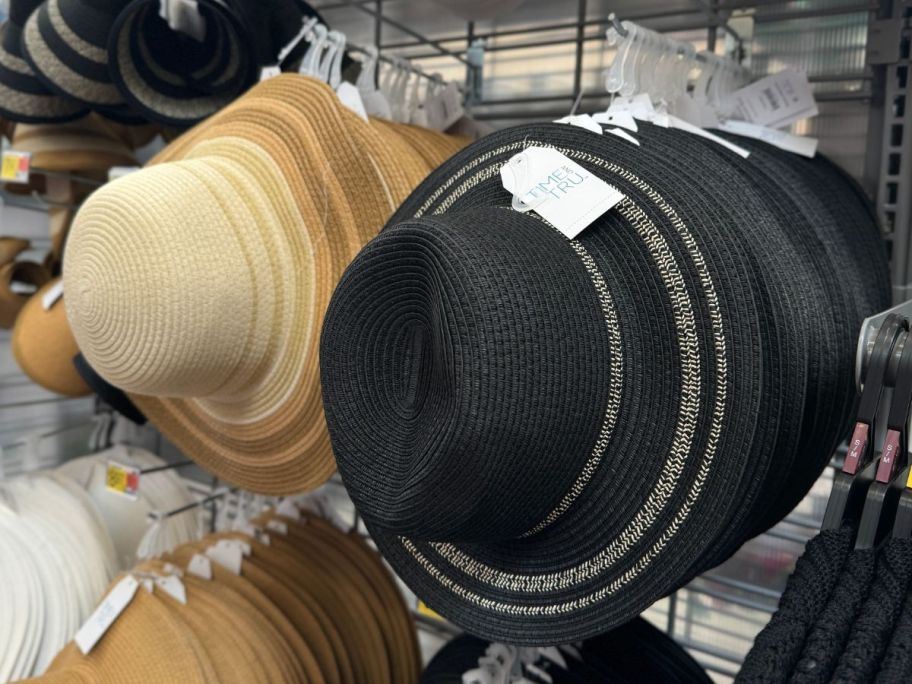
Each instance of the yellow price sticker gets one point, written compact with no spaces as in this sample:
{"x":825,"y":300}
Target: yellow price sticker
{"x":429,"y":612}
{"x":14,"y":167}
{"x":122,"y":479}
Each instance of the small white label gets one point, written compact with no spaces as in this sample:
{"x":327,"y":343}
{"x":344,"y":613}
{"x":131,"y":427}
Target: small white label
{"x":148,"y":585}
{"x":270,"y":71}
{"x":669,"y":121}
{"x":621,"y":133}
{"x":226,"y":554}
{"x":263,"y":538}
{"x":581,"y":121}
{"x":200,"y":566}
{"x":116,"y":172}
{"x":52,"y":295}
{"x":774,"y":101}
{"x":106,"y":613}
{"x":245,"y":528}
{"x":173,"y":587}
{"x":558,"y":189}
{"x":277,"y":526}
{"x":619,"y":118}
{"x":288,"y":509}
{"x":799,"y":144}
{"x":351,"y":98}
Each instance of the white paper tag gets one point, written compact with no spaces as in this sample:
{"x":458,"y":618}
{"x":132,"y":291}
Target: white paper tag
{"x":670,"y":121}
{"x":51,"y":296}
{"x":581,"y":121}
{"x":148,"y":585}
{"x":116,"y":172}
{"x":774,"y":101}
{"x":640,"y":106}
{"x":173,"y":587}
{"x":277,"y":526}
{"x":226,"y":554}
{"x":245,"y":528}
{"x":351,"y":98}
{"x":270,"y":71}
{"x":200,"y":566}
{"x":799,"y":144}
{"x":621,"y":133}
{"x":558,"y":189}
{"x":106,"y":613}
{"x":288,"y":509}
{"x":444,"y":108}
{"x":184,"y":16}
{"x":619,"y":118}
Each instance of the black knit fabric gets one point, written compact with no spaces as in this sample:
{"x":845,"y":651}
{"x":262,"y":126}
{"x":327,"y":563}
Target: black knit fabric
{"x":873,"y":629}
{"x":827,"y":640}
{"x":896,"y":665}
{"x":778,"y":648}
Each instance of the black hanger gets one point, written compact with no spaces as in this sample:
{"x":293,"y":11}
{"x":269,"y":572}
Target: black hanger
{"x":858,"y":471}
{"x":902,"y":399}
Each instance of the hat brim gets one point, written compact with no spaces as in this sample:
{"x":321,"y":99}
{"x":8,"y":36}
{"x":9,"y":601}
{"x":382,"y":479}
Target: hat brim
{"x":66,"y":63}
{"x":609,"y":552}
{"x":24,"y":97}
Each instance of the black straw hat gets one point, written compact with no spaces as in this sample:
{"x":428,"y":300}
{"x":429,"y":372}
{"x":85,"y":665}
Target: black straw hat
{"x":172,"y":78}
{"x":545,"y":435}
{"x":23,"y":96}
{"x":66,"y":42}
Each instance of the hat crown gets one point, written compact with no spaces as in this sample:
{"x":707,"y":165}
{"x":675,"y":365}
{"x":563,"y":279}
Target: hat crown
{"x":164,"y":294}
{"x":490,"y":381}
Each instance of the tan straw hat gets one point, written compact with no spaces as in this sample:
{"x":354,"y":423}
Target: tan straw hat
{"x":308,"y":666}
{"x":227,"y":365}
{"x":19,"y":280}
{"x":44,"y":347}
{"x":88,"y":144}
{"x":160,"y":646}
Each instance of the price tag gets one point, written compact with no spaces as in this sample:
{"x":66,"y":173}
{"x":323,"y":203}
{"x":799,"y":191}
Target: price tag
{"x":200,"y":566}
{"x":581,"y":121}
{"x":173,"y":587}
{"x":288,"y":509}
{"x":277,"y":526}
{"x":775,"y":101}
{"x":799,"y":144}
{"x":558,"y":189}
{"x":227,"y":555}
{"x":122,"y":479}
{"x":106,"y":613}
{"x":15,"y":166}
{"x":429,"y":612}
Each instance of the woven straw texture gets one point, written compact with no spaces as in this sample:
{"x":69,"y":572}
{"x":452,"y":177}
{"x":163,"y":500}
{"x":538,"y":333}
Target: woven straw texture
{"x":646,"y":396}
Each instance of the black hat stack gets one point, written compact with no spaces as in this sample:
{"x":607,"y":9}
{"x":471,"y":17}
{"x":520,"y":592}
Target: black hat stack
{"x":545,"y":436}
{"x":635,"y":652}
{"x":61,"y":59}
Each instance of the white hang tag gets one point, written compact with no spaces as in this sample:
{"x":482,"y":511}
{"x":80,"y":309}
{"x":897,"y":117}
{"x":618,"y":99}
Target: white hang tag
{"x":184,"y":16}
{"x":277,"y":526}
{"x":799,"y":144}
{"x":558,"y":189}
{"x":619,"y":118}
{"x":51,"y":296}
{"x":621,"y":133}
{"x":543,"y":676}
{"x":226,"y":554}
{"x":200,"y":566}
{"x":173,"y":587}
{"x":775,"y":101}
{"x":288,"y":509}
{"x":581,"y":121}
{"x":376,"y":104}
{"x":149,"y":585}
{"x":116,"y":172}
{"x":107,"y":612}
{"x":245,"y":528}
{"x":479,"y":675}
{"x":270,"y":71}
{"x":263,"y":538}
{"x":670,"y":121}
{"x":351,"y":98}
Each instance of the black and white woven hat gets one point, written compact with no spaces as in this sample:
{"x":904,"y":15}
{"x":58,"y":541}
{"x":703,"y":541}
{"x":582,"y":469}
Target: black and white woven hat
{"x":23,"y":96}
{"x":172,"y":78}
{"x":66,"y":42}
{"x":545,"y":435}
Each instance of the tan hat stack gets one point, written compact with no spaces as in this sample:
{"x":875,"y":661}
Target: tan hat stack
{"x":198,"y":285}
{"x":311,"y":603}
{"x":43,"y":344}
